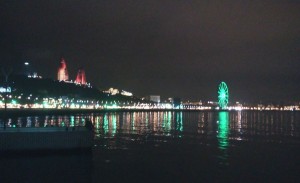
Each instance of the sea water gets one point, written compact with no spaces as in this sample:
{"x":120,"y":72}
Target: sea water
{"x":167,"y":146}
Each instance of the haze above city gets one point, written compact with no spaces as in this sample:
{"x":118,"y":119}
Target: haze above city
{"x":167,"y":48}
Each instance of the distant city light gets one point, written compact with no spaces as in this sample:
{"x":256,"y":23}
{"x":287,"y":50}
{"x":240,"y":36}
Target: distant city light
{"x":26,"y":63}
{"x":3,"y":90}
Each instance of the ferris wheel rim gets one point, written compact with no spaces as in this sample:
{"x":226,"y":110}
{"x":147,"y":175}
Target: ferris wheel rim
{"x":223,"y":95}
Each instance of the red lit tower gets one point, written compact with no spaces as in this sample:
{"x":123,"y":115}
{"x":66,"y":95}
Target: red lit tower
{"x":80,"y":78}
{"x":62,"y":74}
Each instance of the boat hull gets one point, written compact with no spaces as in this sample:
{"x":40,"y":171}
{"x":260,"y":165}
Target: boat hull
{"x":48,"y":138}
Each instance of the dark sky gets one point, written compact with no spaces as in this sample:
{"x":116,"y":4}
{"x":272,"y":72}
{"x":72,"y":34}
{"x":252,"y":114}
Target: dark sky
{"x":163,"y":47}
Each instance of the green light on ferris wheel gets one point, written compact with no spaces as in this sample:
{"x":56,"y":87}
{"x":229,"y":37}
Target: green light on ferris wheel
{"x":223,"y":95}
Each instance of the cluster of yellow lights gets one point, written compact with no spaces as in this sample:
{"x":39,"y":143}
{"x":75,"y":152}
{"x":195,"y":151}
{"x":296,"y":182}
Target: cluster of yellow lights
{"x":51,"y":103}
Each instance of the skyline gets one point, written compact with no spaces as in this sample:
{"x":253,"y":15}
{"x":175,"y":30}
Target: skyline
{"x":171,"y":48}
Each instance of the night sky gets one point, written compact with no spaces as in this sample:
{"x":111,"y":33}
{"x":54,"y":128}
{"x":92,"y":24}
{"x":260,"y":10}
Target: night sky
{"x":161,"y":47}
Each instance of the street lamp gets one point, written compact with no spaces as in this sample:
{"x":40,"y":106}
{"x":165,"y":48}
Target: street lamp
{"x":6,"y":74}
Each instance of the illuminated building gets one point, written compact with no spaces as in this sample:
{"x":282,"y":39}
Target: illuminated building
{"x":126,"y":93}
{"x":62,"y":74}
{"x":155,"y":98}
{"x":177,"y":101}
{"x":80,"y":78}
{"x":112,"y":91}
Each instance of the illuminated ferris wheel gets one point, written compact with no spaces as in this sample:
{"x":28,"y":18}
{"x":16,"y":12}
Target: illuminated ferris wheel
{"x":223,"y":95}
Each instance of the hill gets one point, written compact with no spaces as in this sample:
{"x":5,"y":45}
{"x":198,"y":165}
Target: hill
{"x":26,"y":90}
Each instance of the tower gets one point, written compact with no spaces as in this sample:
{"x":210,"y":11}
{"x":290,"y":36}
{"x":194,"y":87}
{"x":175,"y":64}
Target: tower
{"x":80,"y":78}
{"x":62,"y":74}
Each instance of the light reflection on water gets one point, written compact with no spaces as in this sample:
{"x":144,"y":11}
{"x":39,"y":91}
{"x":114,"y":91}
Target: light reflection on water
{"x":224,"y":126}
{"x":223,"y":130}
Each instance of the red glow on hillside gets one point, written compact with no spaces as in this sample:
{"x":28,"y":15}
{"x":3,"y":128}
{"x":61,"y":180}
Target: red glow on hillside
{"x":80,"y":78}
{"x":62,"y":74}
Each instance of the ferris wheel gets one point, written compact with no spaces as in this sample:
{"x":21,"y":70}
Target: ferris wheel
{"x":223,"y":95}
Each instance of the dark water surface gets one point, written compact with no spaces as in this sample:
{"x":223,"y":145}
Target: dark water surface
{"x":168,"y":147}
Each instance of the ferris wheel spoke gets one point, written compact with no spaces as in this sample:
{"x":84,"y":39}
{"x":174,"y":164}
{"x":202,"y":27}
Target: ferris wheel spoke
{"x":223,"y":95}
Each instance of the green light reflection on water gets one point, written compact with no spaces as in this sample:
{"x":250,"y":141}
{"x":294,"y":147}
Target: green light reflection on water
{"x":167,"y":122}
{"x":105,"y":124}
{"x":178,"y":123}
{"x":97,"y":122}
{"x":72,"y":121}
{"x":223,"y":130}
{"x":179,"y":126}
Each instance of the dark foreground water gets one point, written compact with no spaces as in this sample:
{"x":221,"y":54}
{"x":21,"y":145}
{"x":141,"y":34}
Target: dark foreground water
{"x":168,"y":147}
